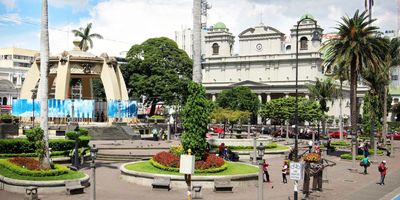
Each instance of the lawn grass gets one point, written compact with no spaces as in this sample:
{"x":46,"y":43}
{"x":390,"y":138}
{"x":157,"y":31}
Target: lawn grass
{"x":233,"y":169}
{"x":70,"y":175}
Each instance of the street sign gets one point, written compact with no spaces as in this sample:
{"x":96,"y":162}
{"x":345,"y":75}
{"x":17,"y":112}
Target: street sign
{"x":295,"y":171}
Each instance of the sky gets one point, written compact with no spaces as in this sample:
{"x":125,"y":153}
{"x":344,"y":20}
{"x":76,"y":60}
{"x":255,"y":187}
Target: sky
{"x":124,"y":23}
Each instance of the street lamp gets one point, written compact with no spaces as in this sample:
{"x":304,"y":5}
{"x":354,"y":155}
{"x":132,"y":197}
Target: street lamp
{"x":33,"y":107}
{"x":93,"y":152}
{"x":76,"y":162}
{"x":260,"y":155}
{"x":316,"y":39}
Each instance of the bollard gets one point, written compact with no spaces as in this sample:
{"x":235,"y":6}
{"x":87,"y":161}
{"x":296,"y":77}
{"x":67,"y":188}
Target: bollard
{"x":31,"y":193}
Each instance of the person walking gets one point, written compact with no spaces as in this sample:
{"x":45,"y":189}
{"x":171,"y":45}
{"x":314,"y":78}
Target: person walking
{"x":382,"y":170}
{"x":285,"y":171}
{"x":365,"y":163}
{"x":265,"y":169}
{"x":310,"y":144}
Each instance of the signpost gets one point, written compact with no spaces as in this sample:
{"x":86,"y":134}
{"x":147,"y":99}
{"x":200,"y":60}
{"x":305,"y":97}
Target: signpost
{"x":296,"y":170}
{"x":187,"y":168}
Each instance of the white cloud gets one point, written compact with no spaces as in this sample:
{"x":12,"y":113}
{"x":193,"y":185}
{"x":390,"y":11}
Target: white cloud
{"x":126,"y":22}
{"x":9,"y":4}
{"x":76,"y":4}
{"x":13,"y":18}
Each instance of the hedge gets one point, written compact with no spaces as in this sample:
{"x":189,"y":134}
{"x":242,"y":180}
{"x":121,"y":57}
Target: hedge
{"x":348,"y":156}
{"x":53,"y":153}
{"x":58,"y":170}
{"x":24,"y":146}
{"x":171,"y":169}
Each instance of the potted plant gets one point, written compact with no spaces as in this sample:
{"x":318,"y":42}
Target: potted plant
{"x":6,"y":118}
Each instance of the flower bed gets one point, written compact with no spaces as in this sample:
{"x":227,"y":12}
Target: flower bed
{"x":312,"y":157}
{"x":22,"y":166}
{"x":170,"y":162}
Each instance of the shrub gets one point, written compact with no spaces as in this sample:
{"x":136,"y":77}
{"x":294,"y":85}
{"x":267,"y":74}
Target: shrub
{"x":340,"y":143}
{"x":171,"y":169}
{"x":24,"y":162}
{"x":53,"y":153}
{"x":6,"y":116}
{"x":176,"y":150}
{"x":171,"y":160}
{"x":240,"y":147}
{"x":72,"y":134}
{"x":24,"y":146}
{"x":167,"y":159}
{"x":35,"y":136}
{"x":58,"y":170}
{"x":347,"y":156}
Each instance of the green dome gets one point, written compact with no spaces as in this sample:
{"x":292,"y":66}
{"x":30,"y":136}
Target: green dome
{"x":307,"y":15}
{"x":219,"y":25}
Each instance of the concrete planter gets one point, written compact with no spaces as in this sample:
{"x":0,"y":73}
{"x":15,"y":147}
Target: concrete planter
{"x":18,"y":186}
{"x":145,"y":179}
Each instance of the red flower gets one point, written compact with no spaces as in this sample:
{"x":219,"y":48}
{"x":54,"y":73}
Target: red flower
{"x":26,"y":162}
{"x":171,"y":160}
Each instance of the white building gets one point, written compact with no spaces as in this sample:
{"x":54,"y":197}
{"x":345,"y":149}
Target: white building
{"x":184,"y":38}
{"x":266,"y":62}
{"x":14,"y":63}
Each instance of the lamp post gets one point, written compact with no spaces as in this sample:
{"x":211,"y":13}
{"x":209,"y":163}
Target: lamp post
{"x":33,"y":107}
{"x":93,"y":152}
{"x":260,"y":155}
{"x":315,"y":40}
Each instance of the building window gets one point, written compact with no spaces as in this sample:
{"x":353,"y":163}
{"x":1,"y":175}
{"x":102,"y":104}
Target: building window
{"x":303,"y":43}
{"x":4,"y":101}
{"x":215,"y":48}
{"x":15,"y":80}
{"x":288,"y":48}
{"x":395,"y":77}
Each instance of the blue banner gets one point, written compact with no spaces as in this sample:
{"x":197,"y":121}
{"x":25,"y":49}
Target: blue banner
{"x":122,"y":108}
{"x":57,"y":108}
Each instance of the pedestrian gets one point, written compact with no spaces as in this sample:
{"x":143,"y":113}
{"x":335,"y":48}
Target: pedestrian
{"x":365,"y":149}
{"x":285,"y":171}
{"x":310,"y":144}
{"x":382,"y":170}
{"x":221,"y":149}
{"x":365,"y":163}
{"x":265,"y":169}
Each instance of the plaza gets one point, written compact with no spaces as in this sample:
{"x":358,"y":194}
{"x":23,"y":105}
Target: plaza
{"x":270,"y":101}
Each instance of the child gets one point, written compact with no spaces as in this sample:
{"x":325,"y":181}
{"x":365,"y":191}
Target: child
{"x":284,"y":171}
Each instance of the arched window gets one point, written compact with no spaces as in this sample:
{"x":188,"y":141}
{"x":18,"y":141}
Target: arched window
{"x":288,"y":48}
{"x":215,"y":48}
{"x":303,"y":43}
{"x":4,"y":101}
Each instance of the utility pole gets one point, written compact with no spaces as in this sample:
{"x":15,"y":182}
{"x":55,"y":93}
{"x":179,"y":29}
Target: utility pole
{"x":197,"y":73}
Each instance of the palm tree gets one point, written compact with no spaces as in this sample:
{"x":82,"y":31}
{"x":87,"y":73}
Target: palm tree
{"x":323,"y":91}
{"x":359,"y":47}
{"x":340,"y":73}
{"x":86,"y":37}
{"x":43,"y":84}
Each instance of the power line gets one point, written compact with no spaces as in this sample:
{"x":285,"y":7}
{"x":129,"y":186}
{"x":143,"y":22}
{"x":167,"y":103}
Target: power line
{"x":19,"y":20}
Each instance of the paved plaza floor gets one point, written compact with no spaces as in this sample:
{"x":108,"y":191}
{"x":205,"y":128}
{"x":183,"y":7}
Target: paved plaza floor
{"x":342,"y":184}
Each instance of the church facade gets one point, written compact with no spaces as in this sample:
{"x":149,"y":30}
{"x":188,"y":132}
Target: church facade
{"x":266,"y":63}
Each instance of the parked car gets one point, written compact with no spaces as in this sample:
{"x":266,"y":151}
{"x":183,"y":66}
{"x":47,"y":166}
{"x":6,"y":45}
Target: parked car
{"x":336,"y":134}
{"x":396,"y":135}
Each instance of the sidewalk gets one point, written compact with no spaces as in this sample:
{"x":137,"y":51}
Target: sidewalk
{"x":342,"y":185}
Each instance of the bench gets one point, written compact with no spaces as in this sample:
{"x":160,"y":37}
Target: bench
{"x":222,"y":185}
{"x":161,"y":182}
{"x":197,"y":191}
{"x":31,"y":193}
{"x":74,"y":187}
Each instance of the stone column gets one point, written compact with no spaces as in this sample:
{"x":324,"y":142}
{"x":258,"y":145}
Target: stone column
{"x":213,"y":97}
{"x":286,"y":95}
{"x":268,"y":97}
{"x":307,"y":97}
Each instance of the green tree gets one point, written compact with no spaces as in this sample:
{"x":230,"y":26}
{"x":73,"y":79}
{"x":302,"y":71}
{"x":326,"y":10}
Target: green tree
{"x":358,"y":47}
{"x":86,"y":37}
{"x":158,"y":68}
{"x":222,"y":115}
{"x":239,"y":98}
{"x":43,"y":92}
{"x":282,"y":109}
{"x":35,"y":136}
{"x":196,"y":117}
{"x":323,"y":91}
{"x":98,"y":89}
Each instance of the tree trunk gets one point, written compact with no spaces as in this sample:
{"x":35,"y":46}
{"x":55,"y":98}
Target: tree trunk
{"x":341,"y":112}
{"x":353,"y":109}
{"x":385,"y":115}
{"x":197,"y":74}
{"x":43,"y":84}
{"x":372,"y":136}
